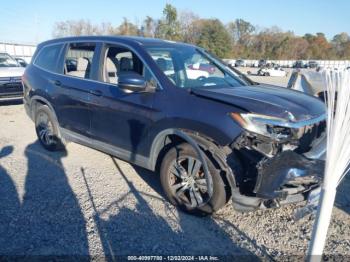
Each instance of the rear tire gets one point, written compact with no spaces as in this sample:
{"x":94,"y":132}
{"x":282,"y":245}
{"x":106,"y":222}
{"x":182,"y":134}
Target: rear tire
{"x":47,"y":129}
{"x":179,"y":158}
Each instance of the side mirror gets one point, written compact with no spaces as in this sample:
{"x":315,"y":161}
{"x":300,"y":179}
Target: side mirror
{"x":132,"y":81}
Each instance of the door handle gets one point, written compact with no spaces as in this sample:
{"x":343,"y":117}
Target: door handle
{"x":96,"y":92}
{"x":56,"y":82}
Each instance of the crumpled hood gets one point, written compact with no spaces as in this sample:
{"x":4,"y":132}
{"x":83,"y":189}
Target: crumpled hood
{"x":267,"y":100}
{"x":11,"y":71}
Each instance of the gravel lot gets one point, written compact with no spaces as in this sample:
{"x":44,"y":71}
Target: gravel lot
{"x":84,"y":202}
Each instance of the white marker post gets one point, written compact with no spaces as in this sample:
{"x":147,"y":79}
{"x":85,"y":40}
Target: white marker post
{"x":338,"y":155}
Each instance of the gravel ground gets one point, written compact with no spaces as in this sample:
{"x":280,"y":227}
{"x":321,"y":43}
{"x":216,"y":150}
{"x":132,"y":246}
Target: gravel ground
{"x":84,"y":202}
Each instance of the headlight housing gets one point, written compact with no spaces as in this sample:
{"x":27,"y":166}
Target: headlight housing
{"x":272,"y":127}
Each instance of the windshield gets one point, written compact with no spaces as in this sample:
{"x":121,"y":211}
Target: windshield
{"x":7,"y":61}
{"x":189,"y":67}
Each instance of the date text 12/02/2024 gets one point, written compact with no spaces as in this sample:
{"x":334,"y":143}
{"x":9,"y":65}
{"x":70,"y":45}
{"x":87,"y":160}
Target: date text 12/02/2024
{"x":173,"y":258}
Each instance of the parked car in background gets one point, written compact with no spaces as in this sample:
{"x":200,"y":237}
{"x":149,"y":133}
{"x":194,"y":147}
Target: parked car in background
{"x":262,"y":63}
{"x":21,"y":62}
{"x":275,"y":71}
{"x":193,"y":74}
{"x":299,"y":64}
{"x":203,"y":67}
{"x":312,"y":64}
{"x":211,"y":139}
{"x":271,"y":65}
{"x":255,"y":64}
{"x":239,"y":63}
{"x":229,"y":62}
{"x":193,"y":70}
{"x":10,"y":77}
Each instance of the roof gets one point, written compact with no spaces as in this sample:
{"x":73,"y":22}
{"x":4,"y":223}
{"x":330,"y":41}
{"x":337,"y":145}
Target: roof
{"x":144,"y":41}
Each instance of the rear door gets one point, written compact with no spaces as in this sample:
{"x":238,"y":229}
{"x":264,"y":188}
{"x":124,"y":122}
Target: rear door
{"x":74,"y":87}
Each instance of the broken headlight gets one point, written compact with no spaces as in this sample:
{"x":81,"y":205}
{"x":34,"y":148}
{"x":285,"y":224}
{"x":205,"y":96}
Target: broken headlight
{"x":273,"y":127}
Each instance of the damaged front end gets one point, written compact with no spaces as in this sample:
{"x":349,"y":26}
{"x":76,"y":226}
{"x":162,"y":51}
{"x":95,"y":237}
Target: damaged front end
{"x":280,"y":168}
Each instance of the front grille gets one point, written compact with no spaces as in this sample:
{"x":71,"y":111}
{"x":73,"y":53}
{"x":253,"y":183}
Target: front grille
{"x":4,"y":80}
{"x":10,"y":88}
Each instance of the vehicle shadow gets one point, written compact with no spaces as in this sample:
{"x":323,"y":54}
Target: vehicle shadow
{"x":141,"y":231}
{"x":152,"y":180}
{"x":9,"y":199}
{"x":49,"y":220}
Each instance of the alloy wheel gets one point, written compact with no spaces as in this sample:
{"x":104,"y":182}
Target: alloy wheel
{"x":188,"y":182}
{"x":45,"y":129}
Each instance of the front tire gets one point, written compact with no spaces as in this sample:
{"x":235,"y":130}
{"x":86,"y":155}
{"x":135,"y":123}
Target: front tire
{"x":47,"y":129}
{"x":183,"y":181}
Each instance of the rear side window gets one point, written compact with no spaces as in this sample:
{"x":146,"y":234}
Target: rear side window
{"x":48,"y":57}
{"x":78,"y":60}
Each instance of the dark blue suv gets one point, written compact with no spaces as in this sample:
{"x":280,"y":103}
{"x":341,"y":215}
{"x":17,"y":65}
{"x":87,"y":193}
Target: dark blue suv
{"x":211,"y":133}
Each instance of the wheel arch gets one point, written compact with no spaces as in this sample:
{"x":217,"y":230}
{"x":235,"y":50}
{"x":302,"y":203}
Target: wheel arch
{"x":203,"y":145}
{"x":36,"y":101}
{"x":164,"y":138}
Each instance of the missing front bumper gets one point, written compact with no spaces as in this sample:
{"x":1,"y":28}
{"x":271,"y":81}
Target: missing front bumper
{"x":287,"y":172}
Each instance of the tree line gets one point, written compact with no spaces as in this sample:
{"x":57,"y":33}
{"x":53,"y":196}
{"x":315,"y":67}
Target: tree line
{"x":236,"y":39}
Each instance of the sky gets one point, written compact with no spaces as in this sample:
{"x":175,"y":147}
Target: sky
{"x":33,"y":21}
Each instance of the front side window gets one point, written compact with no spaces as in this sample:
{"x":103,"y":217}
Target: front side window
{"x":48,"y":57}
{"x":7,"y":61}
{"x":78,"y":60}
{"x":120,"y":60}
{"x":188,"y":67}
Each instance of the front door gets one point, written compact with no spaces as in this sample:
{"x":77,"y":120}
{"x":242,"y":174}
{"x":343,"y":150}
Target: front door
{"x":121,"y":118}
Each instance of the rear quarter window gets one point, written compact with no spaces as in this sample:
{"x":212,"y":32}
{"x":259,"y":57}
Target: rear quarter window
{"x":48,"y":57}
